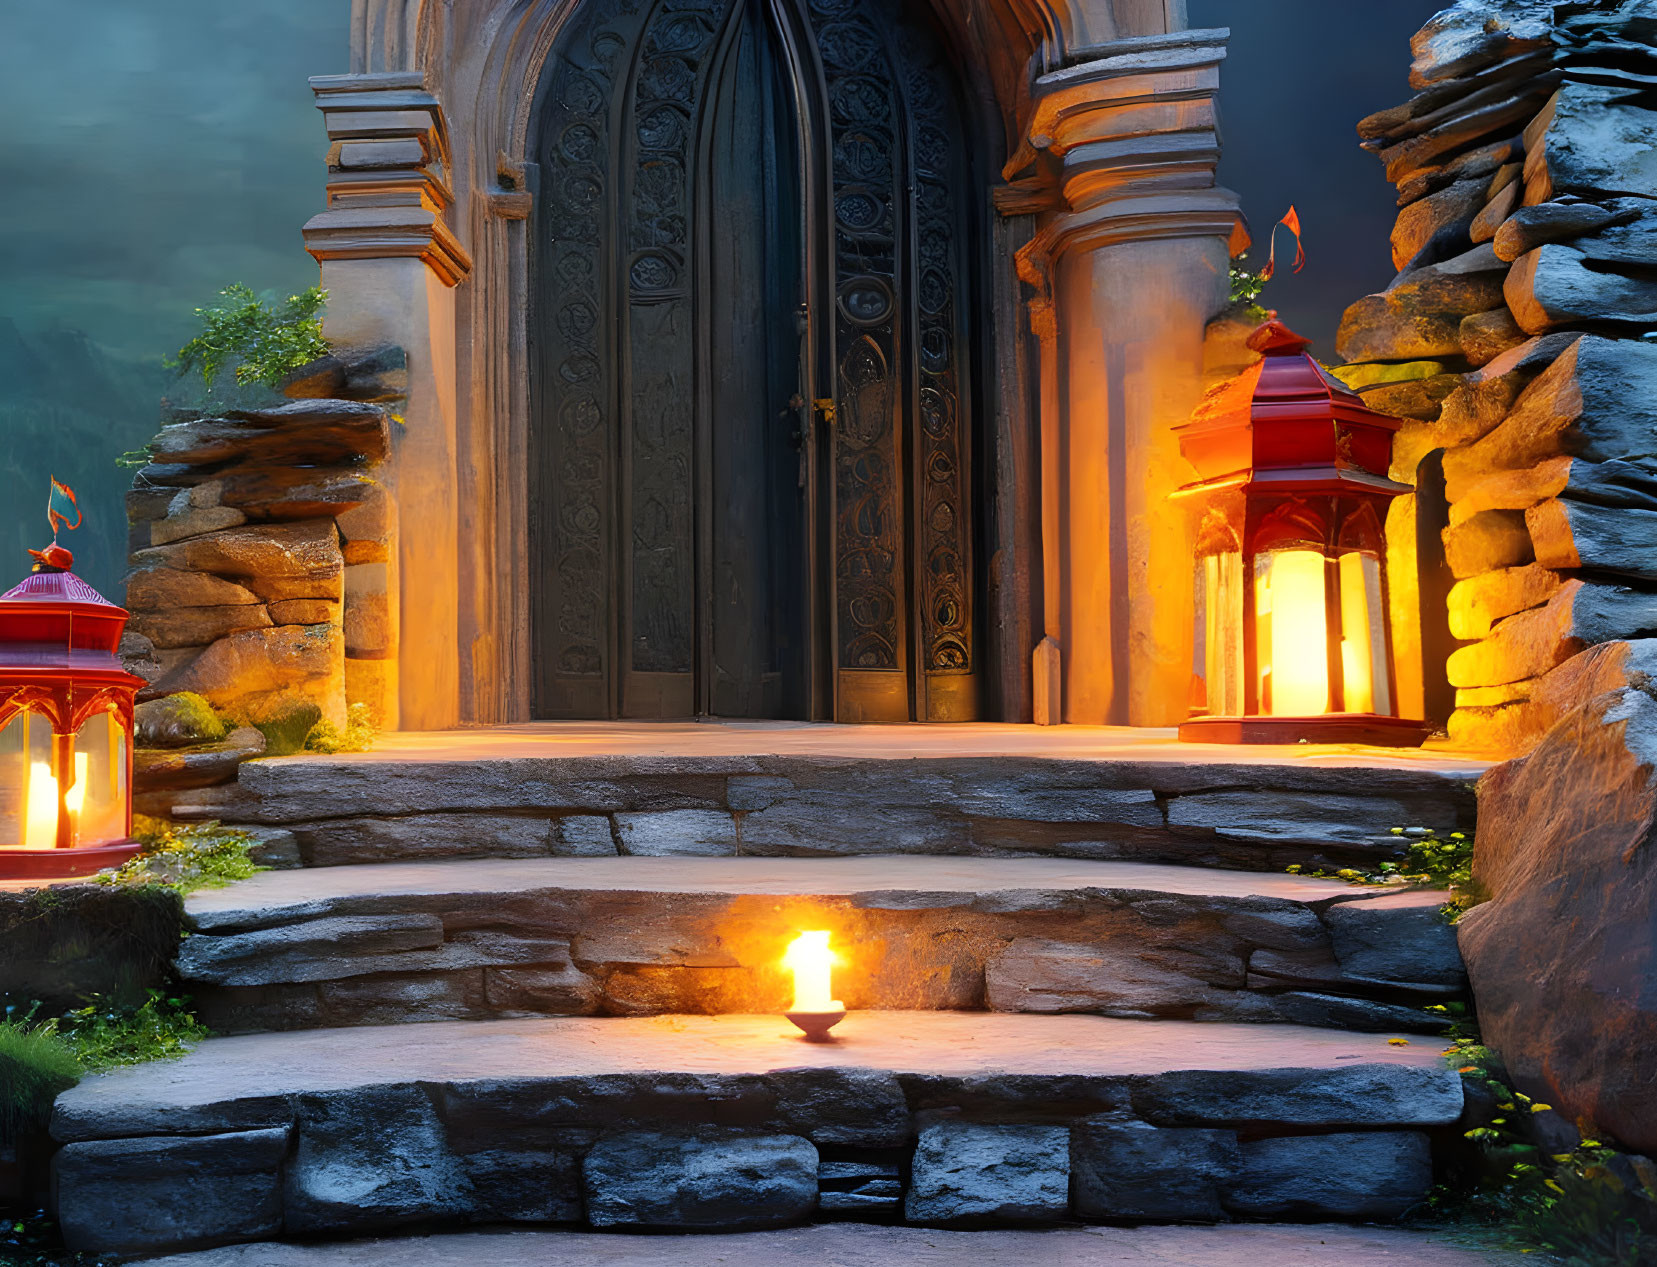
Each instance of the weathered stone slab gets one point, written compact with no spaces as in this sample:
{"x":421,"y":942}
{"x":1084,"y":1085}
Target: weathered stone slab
{"x":1564,"y":954}
{"x":671,"y":833}
{"x":170,"y":1192}
{"x":561,"y":991}
{"x":296,"y":492}
{"x":1597,"y":401}
{"x":198,"y":626}
{"x":240,"y":672}
{"x":395,"y":998}
{"x":1444,"y":215}
{"x":583,"y":836}
{"x":1396,"y":937}
{"x":1133,"y":1172}
{"x":1354,"y":1096}
{"x":1591,"y":140}
{"x":163,"y":588}
{"x":1348,"y":1175}
{"x":304,"y":433}
{"x":1530,"y":227}
{"x":371,"y":1159}
{"x":866,"y":1189}
{"x":1420,"y":314}
{"x":1605,"y":539}
{"x":523,"y":1186}
{"x":193,"y":521}
{"x":347,"y":841}
{"x":1040,"y":975}
{"x":1486,"y":541}
{"x":1557,"y":285}
{"x":1420,"y":398}
{"x":692,"y":1182}
{"x":1486,"y":335}
{"x":1476,"y":604}
{"x":1527,"y":645}
{"x":1469,"y":36}
{"x":264,"y":955}
{"x":169,"y":769}
{"x":968,"y":1172}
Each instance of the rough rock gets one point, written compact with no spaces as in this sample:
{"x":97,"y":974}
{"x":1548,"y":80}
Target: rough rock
{"x":139,"y":657}
{"x":1498,"y":207}
{"x":671,"y":832}
{"x":1605,"y":539}
{"x":966,"y":1172}
{"x":241,"y":672}
{"x":320,"y":379}
{"x":1133,"y":1172}
{"x":163,"y":588}
{"x":289,"y":492}
{"x":1419,"y":316}
{"x":1500,"y":113}
{"x":274,"y":848}
{"x":583,"y":836}
{"x":306,"y":552}
{"x":1397,"y":937}
{"x":1530,"y":227}
{"x":1564,"y":954}
{"x":1415,"y":398}
{"x":1468,"y":36}
{"x":303,"y":433}
{"x":562,"y":991}
{"x":646,"y":1179}
{"x":193,"y":521}
{"x":318,"y":949}
{"x":371,"y":1159}
{"x":1476,"y":604}
{"x":171,"y":1192}
{"x":1598,"y":401}
{"x":369,"y":632}
{"x":1486,"y":541}
{"x":1475,"y":162}
{"x":1486,"y":335}
{"x":304,"y":611}
{"x":177,"y":721}
{"x":365,"y":530}
{"x":376,"y":374}
{"x":1445,"y":216}
{"x":197,"y":626}
{"x":1038,"y":975}
{"x":1591,"y":140}
{"x":1556,"y":285}
{"x":1527,"y":645}
{"x":348,"y":841}
{"x":859,"y":1188}
{"x":1356,"y":1175}
{"x":156,"y":769}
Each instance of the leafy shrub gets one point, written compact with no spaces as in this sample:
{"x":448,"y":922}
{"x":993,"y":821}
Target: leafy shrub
{"x":361,"y":730}
{"x":1246,"y":284}
{"x":263,"y":341}
{"x":36,"y":1064}
{"x":1432,"y":861}
{"x":104,"y":1036}
{"x":33,"y":1240}
{"x":182,"y":857}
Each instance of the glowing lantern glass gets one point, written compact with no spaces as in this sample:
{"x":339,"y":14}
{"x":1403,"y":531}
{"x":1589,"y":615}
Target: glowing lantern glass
{"x":1292,"y":639}
{"x":65,"y":727}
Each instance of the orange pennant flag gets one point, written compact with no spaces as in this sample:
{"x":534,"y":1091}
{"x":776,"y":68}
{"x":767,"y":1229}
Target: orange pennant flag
{"x":56,"y":517}
{"x":1290,"y":221}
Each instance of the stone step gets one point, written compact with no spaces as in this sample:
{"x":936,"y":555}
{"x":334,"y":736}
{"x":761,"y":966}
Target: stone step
{"x":793,"y":790}
{"x":865,"y":1245}
{"x":733,"y":1122}
{"x":480,"y":938}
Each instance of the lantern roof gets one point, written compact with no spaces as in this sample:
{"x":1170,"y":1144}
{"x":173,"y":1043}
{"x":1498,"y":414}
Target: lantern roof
{"x":53,"y":623}
{"x":1287,"y":423}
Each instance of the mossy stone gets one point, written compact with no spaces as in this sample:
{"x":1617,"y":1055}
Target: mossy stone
{"x":287,"y":727}
{"x":177,"y":721}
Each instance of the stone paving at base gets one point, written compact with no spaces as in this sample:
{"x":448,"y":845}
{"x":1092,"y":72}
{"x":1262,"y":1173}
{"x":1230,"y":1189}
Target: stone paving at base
{"x":856,"y":1245}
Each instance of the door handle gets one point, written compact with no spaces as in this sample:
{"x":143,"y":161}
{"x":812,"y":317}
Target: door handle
{"x":825,"y":406}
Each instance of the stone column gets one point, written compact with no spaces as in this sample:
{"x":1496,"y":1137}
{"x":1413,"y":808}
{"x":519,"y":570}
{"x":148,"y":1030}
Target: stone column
{"x":1130,"y":263}
{"x":390,"y":264}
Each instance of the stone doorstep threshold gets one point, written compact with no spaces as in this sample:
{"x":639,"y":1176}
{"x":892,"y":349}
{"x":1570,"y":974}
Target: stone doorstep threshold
{"x":1241,"y":1072}
{"x":861,"y":1245}
{"x":712,"y":739}
{"x":858,"y":879}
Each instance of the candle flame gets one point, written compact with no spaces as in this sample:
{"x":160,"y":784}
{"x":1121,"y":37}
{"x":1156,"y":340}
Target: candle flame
{"x":810,"y":959}
{"x":40,"y":829}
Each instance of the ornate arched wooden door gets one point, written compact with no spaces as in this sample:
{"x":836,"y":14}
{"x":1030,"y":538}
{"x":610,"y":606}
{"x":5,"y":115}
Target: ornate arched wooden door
{"x":752,"y":483}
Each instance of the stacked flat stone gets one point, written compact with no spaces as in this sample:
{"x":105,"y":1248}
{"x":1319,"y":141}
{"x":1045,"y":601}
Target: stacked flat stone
{"x":259,"y":544}
{"x":1513,"y":340}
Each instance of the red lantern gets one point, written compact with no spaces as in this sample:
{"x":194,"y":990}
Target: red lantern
{"x":1292,"y":637}
{"x":65,"y":726}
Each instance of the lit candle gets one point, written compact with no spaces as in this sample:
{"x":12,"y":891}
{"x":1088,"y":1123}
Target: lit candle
{"x":41,"y":821}
{"x":815,"y":1010}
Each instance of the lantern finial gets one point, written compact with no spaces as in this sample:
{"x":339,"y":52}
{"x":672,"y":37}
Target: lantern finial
{"x":1273,"y":338}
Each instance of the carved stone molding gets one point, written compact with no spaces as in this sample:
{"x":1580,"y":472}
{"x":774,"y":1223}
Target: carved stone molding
{"x":388,"y":160}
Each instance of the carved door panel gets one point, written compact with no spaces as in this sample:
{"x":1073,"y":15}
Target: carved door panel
{"x":702,"y":539}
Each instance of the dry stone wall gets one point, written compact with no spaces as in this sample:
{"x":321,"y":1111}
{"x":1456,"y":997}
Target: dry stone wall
{"x":1513,"y":342}
{"x":261,"y":542}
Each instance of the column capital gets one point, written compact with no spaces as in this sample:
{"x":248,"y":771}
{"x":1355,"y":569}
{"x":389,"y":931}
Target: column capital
{"x":1138,"y":117}
{"x":388,"y":163}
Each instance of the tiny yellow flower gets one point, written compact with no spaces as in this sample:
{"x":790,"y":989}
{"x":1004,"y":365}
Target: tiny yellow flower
{"x":1398,"y":1042}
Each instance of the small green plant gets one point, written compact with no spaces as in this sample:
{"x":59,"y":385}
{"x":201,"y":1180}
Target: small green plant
{"x":264,"y":341}
{"x":1246,"y":283}
{"x":286,"y":731}
{"x":160,"y":1028}
{"x":361,"y":730}
{"x":186,"y":856}
{"x":1589,"y":1205}
{"x":33,"y":1240}
{"x":1434,"y":860}
{"x":36,"y":1063}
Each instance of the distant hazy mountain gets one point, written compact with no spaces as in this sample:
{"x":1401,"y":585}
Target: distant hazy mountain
{"x":70,"y":408}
